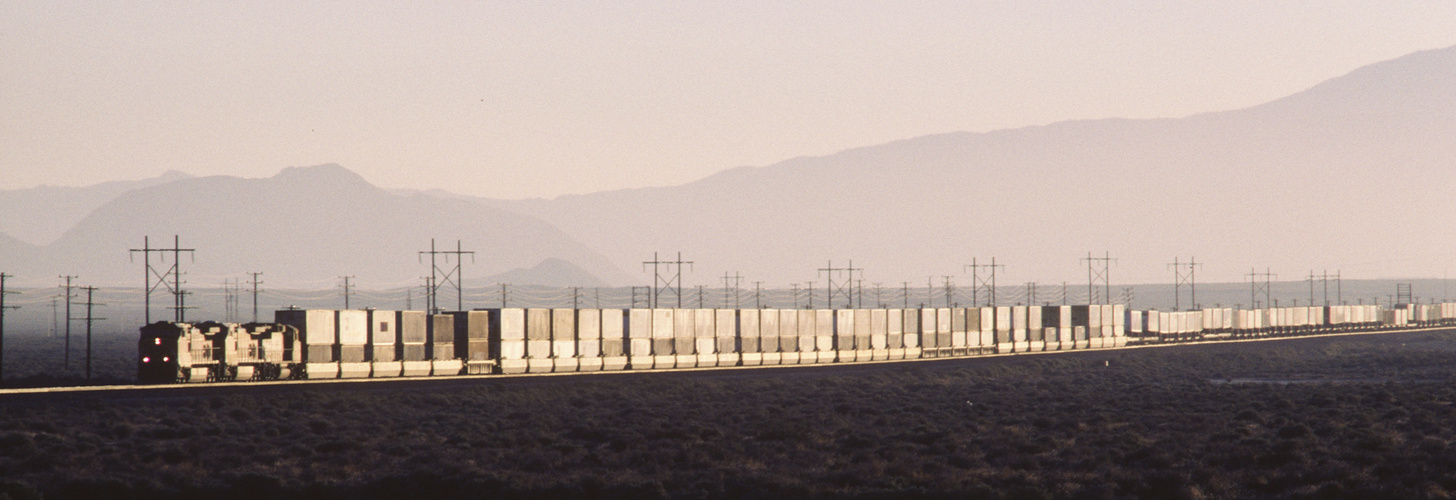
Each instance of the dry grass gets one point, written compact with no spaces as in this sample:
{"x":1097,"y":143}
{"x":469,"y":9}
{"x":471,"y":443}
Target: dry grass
{"x":1149,"y":424}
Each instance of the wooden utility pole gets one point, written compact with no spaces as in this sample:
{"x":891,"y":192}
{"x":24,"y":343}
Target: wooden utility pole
{"x":90,"y":303}
{"x":69,"y":296}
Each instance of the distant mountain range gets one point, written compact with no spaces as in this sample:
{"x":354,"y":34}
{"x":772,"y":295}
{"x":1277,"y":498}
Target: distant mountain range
{"x":1355,"y":173}
{"x":38,"y":216}
{"x":1352,"y":174}
{"x":302,"y":227}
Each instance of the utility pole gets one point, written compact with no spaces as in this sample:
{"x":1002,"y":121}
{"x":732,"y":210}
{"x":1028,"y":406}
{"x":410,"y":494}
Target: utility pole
{"x":1031,"y":293}
{"x":977,"y":282}
{"x":661,"y":281}
{"x":89,"y":319}
{"x":346,"y":287}
{"x":811,"y":295}
{"x":3,"y":308}
{"x":700,"y":296}
{"x":503,"y":296}
{"x":758,"y":295}
{"x":733,"y":282}
{"x":181,"y":303}
{"x":1325,"y":281}
{"x":949,"y":290}
{"x":844,"y":287}
{"x":795,"y":286}
{"x":453,"y":275}
{"x":879,"y":304}
{"x":174,"y":272}
{"x":1095,"y":273}
{"x":646,"y":291}
{"x":227,"y":300}
{"x":575,"y":296}
{"x":905,"y":293}
{"x":1254,"y":287}
{"x":1311,"y":279}
{"x":237,"y":296}
{"x":429,"y":289}
{"x":69,"y":297}
{"x":1339,"y":292}
{"x":1181,"y":277}
{"x":255,"y":284}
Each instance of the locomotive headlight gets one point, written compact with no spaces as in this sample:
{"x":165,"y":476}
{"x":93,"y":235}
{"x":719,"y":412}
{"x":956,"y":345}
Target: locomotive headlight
{"x":166,"y":359}
{"x":159,"y":341}
{"x":146,"y":360}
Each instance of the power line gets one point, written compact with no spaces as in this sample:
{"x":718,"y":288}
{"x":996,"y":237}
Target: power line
{"x":1095,"y":273}
{"x":1183,"y":276}
{"x":175,"y":272}
{"x":1254,"y":287}
{"x":840,"y":286}
{"x":1324,"y":278}
{"x":659,"y":282}
{"x":977,"y":282}
{"x":453,"y":276}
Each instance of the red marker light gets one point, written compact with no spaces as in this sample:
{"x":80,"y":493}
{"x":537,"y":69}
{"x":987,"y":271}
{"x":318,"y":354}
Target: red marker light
{"x":166,"y":358}
{"x":146,"y":360}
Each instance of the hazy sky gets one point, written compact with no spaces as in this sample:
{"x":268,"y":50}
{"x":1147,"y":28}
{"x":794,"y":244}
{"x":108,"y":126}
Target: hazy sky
{"x":527,"y":99}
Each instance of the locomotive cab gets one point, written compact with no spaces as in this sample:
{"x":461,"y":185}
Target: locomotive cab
{"x":159,"y":361}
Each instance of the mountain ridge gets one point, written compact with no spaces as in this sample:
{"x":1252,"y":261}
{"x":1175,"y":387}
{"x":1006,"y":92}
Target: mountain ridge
{"x":306,"y":224}
{"x":1134,"y":186}
{"x":1144,"y":188}
{"x":40,"y":215}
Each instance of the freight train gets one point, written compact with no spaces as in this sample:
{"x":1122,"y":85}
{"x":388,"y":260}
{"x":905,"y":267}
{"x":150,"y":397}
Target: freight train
{"x":346,"y":344}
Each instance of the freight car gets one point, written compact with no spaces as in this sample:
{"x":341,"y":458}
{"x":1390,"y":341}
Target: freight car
{"x":335,"y":344}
